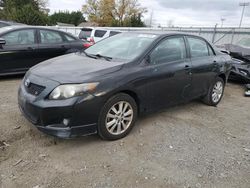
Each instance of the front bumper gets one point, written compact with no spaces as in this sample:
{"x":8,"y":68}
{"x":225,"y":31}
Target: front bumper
{"x":48,"y":116}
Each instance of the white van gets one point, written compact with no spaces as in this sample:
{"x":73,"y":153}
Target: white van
{"x":96,"y":34}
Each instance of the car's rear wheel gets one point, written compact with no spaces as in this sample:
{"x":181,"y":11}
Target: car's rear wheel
{"x":117,"y":117}
{"x":215,"y":92}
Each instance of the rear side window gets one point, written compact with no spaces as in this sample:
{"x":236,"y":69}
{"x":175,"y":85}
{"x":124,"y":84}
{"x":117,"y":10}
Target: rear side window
{"x":112,"y":33}
{"x":172,"y":49}
{"x":20,"y":37}
{"x":69,"y":38}
{"x":85,"y":33}
{"x":100,"y":33}
{"x":50,"y":37}
{"x":198,"y":47}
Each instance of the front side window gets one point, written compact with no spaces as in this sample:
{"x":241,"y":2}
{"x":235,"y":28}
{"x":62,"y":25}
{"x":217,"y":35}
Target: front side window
{"x":126,"y":46}
{"x":20,"y":37}
{"x":50,"y":37}
{"x":172,"y":49}
{"x":198,"y":47}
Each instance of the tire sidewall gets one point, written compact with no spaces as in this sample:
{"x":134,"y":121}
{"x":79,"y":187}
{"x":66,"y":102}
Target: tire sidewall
{"x":102,"y":130}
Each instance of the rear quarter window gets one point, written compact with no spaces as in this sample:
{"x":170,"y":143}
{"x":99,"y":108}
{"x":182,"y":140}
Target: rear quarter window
{"x":100,"y":33}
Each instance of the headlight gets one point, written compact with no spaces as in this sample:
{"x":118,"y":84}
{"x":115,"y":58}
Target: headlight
{"x":71,"y":90}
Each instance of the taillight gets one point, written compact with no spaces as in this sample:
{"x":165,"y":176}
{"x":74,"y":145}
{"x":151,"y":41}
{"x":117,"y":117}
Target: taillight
{"x":87,"y":45}
{"x":90,"y":42}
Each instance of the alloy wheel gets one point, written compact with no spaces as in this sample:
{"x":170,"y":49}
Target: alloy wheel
{"x":217,"y":92}
{"x":119,"y":118}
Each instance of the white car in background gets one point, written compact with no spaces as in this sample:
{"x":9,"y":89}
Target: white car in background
{"x":93,"y":35}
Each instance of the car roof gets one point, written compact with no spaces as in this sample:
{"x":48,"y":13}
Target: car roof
{"x":162,"y":33}
{"x":10,"y":22}
{"x":17,"y":27}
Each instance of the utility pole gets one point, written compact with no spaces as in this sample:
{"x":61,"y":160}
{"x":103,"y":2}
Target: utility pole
{"x":151,"y":18}
{"x":244,"y":5}
{"x":222,"y":21}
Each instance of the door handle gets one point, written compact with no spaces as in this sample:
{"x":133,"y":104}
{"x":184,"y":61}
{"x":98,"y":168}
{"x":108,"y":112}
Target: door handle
{"x":187,"y":66}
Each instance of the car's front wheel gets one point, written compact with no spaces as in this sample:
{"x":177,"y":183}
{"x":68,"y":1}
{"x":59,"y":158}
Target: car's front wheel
{"x":117,"y":117}
{"x":215,"y":92}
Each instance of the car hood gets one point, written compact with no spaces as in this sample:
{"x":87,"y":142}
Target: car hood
{"x":75,"y":68}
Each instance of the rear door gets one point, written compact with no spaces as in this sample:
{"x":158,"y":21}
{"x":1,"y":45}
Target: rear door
{"x":20,"y":51}
{"x":51,"y":44}
{"x":169,"y":74}
{"x":204,"y":65}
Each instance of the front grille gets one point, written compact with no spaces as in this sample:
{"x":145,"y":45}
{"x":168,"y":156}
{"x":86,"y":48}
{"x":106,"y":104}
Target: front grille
{"x":34,"y":89}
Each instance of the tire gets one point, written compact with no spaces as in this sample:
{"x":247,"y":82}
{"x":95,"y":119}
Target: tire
{"x":215,"y":92}
{"x":115,"y":123}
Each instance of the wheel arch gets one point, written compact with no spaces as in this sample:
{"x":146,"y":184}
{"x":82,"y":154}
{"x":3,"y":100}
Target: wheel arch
{"x":223,"y":77}
{"x":134,"y":95}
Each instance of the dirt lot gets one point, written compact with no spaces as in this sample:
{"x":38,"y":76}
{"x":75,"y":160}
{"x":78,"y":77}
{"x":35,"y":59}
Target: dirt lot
{"x":192,"y":145}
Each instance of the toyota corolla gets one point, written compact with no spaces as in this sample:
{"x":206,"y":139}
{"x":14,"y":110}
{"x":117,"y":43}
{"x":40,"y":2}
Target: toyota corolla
{"x":105,"y":88}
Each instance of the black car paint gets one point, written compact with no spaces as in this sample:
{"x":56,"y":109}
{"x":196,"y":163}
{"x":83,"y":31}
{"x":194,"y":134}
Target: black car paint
{"x":153,"y":87}
{"x":16,"y":59}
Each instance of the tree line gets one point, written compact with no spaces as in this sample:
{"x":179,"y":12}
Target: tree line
{"x":115,"y":12}
{"x":103,"y":12}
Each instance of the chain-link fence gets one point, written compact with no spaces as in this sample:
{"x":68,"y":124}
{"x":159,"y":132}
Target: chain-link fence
{"x":215,"y":35}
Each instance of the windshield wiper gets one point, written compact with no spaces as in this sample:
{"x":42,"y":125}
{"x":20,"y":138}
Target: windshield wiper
{"x":90,"y":55}
{"x":105,"y":57}
{"x":98,"y":56}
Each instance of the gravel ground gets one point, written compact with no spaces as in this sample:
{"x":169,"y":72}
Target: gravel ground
{"x":191,"y":145}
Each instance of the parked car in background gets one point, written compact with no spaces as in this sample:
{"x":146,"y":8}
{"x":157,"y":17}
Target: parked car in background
{"x":22,"y":47}
{"x":8,"y":23}
{"x":240,"y":71}
{"x":104,"y":88}
{"x":91,"y":35}
{"x":240,"y":52}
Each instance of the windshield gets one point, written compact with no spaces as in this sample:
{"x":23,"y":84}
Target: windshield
{"x":244,"y":42}
{"x":126,"y":46}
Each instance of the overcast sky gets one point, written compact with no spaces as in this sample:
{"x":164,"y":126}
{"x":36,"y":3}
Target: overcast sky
{"x":179,"y":12}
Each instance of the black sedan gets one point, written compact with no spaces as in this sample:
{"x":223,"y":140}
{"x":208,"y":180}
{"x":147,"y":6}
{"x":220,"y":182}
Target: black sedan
{"x":22,"y":47}
{"x":105,"y":88}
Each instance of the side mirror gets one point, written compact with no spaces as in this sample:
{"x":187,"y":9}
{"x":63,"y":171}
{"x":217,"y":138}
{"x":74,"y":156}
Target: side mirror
{"x":2,"y":42}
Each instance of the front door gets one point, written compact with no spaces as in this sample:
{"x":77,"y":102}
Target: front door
{"x":169,"y":73}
